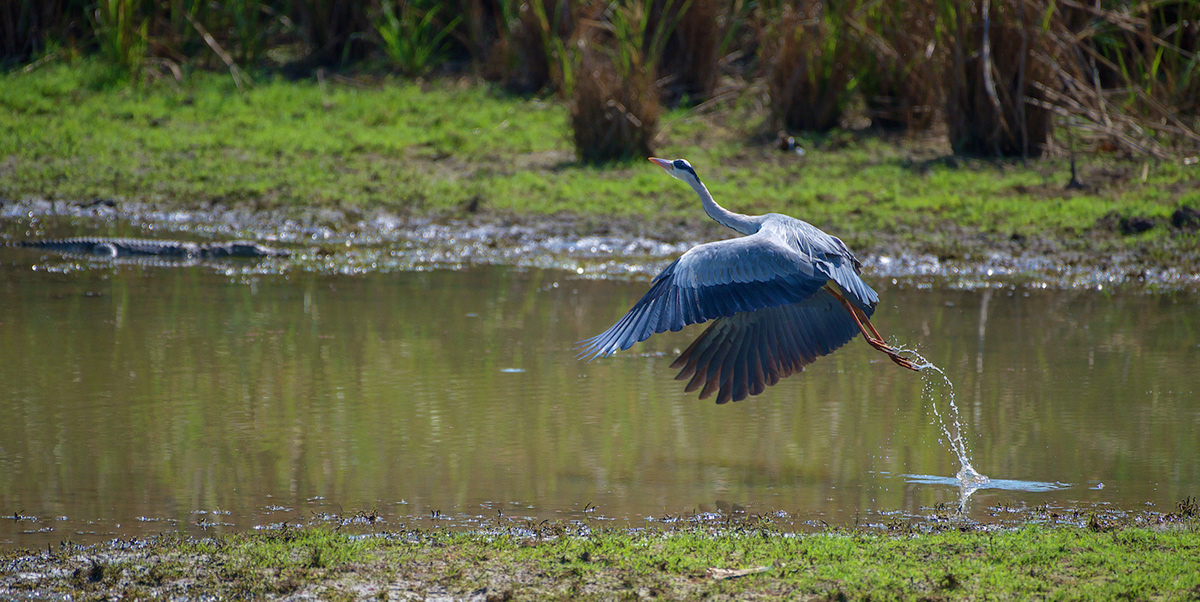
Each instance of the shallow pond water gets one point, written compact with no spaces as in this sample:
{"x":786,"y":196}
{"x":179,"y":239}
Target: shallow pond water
{"x":140,"y":399}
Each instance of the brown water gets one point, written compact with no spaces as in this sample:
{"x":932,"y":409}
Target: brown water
{"x":136,"y":400}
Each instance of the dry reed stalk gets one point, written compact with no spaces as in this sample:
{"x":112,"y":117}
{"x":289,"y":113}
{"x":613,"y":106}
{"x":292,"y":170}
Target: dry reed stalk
{"x":1118,"y":77}
{"x":690,"y":62}
{"x":993,"y":103}
{"x":615,"y":102}
{"x":900,"y":61}
{"x":810,"y":77}
{"x":535,"y":50}
{"x":220,"y":52}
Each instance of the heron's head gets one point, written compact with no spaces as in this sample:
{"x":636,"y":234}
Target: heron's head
{"x":679,"y":169}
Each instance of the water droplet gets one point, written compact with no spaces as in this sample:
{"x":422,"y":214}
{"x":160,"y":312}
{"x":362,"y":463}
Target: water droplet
{"x":967,"y":474}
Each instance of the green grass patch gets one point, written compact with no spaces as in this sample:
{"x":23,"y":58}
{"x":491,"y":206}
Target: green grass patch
{"x":573,"y":561}
{"x":439,"y":148}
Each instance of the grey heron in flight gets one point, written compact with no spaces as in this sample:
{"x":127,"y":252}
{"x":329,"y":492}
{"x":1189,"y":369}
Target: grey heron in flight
{"x":781,"y":296}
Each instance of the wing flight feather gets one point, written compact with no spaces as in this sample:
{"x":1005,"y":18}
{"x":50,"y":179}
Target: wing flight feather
{"x":705,"y":283}
{"x":743,"y":354}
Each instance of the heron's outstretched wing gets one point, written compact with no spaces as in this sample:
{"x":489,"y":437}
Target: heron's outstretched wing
{"x":744,"y":354}
{"x":713,"y":280}
{"x":785,"y":262}
{"x":830,"y":257}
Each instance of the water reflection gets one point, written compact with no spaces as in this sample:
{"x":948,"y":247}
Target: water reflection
{"x":142,"y":399}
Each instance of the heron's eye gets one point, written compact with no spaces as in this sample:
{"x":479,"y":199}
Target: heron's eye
{"x":684,"y":166}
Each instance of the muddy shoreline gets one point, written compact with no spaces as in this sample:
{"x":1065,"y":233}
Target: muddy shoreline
{"x":721,"y":557}
{"x":354,"y":241}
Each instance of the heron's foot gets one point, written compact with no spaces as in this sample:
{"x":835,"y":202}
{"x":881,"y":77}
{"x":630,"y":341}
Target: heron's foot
{"x":870,"y":334}
{"x":904,"y":362}
{"x":894,"y":354}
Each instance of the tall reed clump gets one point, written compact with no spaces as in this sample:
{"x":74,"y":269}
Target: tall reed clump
{"x":534,"y":50}
{"x":691,"y":59}
{"x":121,"y":29}
{"x":28,"y":29}
{"x":996,"y":71}
{"x":615,"y":105}
{"x":1130,"y":75}
{"x":811,"y":77}
{"x":899,"y":60}
{"x":412,"y":35}
{"x":332,"y":31}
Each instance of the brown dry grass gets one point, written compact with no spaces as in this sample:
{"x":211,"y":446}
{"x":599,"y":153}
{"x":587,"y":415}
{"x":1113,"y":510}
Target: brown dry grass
{"x":531,"y":52}
{"x":993,"y":71}
{"x":811,"y":71}
{"x":1129,"y":79}
{"x":900,"y":62}
{"x":613,"y":117}
{"x":691,"y":59}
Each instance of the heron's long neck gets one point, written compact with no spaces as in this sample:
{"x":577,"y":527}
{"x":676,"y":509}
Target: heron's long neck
{"x":746,"y":224}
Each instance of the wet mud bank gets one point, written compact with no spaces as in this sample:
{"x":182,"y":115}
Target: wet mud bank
{"x":718,"y":557}
{"x":377,"y":240}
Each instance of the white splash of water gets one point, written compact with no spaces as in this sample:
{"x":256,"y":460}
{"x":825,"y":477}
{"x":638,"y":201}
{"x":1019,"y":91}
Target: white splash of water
{"x":967,"y":475}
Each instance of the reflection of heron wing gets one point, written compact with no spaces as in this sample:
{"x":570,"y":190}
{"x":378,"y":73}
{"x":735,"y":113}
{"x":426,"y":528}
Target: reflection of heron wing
{"x":781,"y":264}
{"x":746,"y":353}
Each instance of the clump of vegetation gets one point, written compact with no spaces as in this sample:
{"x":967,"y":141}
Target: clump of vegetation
{"x":412,"y":36}
{"x":811,"y":77}
{"x":994,"y":77}
{"x":1001,"y":74}
{"x":613,"y":117}
{"x":900,"y":76}
{"x":121,"y":33}
{"x":1126,"y":73}
{"x":615,"y":105}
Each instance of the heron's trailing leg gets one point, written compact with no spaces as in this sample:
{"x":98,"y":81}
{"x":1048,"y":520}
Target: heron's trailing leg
{"x":872,"y":336}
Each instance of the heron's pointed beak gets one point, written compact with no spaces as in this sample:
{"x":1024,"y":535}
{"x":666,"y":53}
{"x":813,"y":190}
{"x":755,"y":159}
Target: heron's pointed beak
{"x":663,"y":163}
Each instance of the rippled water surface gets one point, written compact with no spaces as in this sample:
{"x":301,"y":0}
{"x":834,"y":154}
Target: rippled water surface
{"x":141,"y":399}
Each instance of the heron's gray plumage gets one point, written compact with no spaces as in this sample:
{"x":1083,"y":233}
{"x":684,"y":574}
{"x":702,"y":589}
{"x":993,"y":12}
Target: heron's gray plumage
{"x":745,"y":353}
{"x":767,"y":292}
{"x":785,"y":262}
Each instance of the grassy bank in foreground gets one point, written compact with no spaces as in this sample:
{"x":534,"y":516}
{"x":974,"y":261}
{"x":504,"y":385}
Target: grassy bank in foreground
{"x":452,"y":148}
{"x":569,"y":562}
